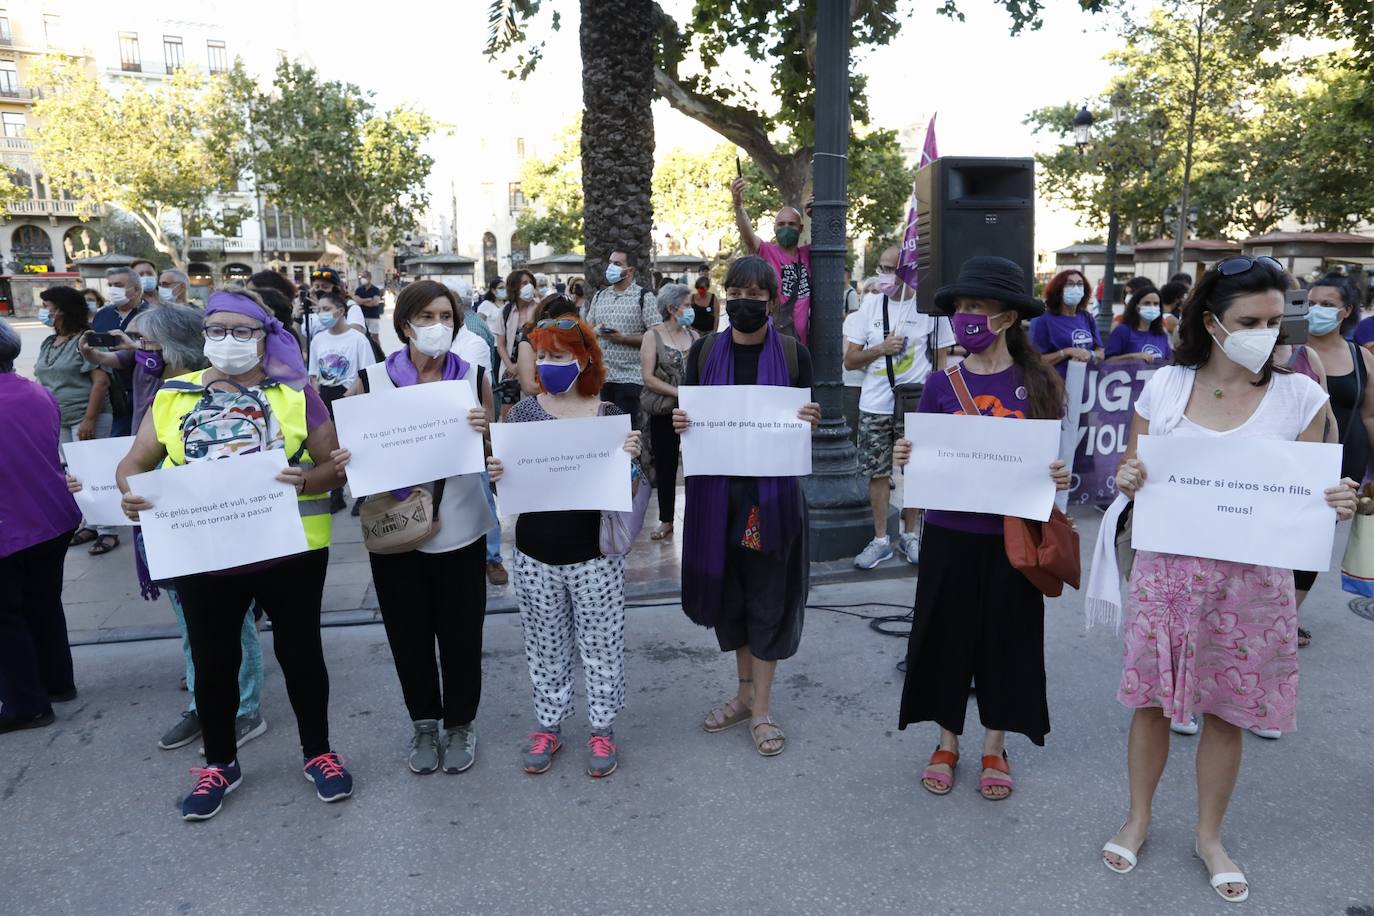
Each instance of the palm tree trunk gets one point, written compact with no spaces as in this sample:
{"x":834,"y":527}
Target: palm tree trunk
{"x":617,"y":130}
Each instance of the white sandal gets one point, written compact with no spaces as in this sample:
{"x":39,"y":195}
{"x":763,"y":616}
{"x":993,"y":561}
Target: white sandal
{"x":1122,"y":852}
{"x":1226,"y":877}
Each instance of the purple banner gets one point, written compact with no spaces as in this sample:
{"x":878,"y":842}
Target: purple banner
{"x":1104,"y":429}
{"x":907,"y":257}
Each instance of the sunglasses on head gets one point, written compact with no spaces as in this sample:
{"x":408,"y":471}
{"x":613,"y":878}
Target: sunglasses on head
{"x":1241,"y":263}
{"x":562,"y":324}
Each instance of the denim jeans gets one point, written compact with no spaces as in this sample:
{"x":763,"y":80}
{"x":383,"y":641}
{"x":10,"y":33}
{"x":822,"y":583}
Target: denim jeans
{"x":494,"y":535}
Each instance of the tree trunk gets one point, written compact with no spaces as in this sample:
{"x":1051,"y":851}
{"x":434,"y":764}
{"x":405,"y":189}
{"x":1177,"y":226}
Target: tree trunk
{"x":617,"y":131}
{"x":1181,"y":229}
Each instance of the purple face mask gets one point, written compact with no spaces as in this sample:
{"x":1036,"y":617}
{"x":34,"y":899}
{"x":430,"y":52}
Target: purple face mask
{"x":972,"y":332}
{"x":557,"y":378}
{"x":150,"y":361}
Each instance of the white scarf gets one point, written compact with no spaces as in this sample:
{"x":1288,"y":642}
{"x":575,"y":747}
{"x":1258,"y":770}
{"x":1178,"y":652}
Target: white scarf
{"x":1170,"y":388}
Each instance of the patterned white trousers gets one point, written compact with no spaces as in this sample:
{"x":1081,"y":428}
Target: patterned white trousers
{"x":581,"y":605}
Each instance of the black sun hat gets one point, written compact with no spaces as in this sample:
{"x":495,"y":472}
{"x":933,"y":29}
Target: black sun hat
{"x":987,"y":277}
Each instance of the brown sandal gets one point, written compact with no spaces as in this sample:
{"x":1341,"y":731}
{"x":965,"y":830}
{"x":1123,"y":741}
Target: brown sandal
{"x":728,"y":714}
{"x":774,"y":734}
{"x":84,"y":536}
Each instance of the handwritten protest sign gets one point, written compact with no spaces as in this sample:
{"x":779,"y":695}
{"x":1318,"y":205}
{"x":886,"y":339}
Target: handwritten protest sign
{"x":1106,"y":405}
{"x":745,"y":431}
{"x":981,"y":464}
{"x":1245,"y":500}
{"x":213,"y":515}
{"x":554,"y":465}
{"x":404,"y":436}
{"x":93,"y":462}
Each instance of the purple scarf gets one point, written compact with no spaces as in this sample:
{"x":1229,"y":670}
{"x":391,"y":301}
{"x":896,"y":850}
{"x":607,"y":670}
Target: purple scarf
{"x":281,"y":358}
{"x":403,"y":373}
{"x":707,"y":513}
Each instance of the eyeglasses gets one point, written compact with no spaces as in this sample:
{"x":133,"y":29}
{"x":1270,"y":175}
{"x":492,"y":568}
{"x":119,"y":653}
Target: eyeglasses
{"x":241,"y":333}
{"x":1241,"y":263}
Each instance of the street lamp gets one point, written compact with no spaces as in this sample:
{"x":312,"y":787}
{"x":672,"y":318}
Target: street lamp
{"x":1082,"y":141}
{"x":1082,"y":128}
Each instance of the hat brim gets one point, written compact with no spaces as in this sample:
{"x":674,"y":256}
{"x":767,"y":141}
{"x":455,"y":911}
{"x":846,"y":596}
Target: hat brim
{"x":1026,"y":305}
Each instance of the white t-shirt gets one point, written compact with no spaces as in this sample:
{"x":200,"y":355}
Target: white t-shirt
{"x":908,"y":367}
{"x":336,"y":359}
{"x":490,"y":312}
{"x":1285,"y":411}
{"x":310,"y":327}
{"x":472,"y":349}
{"x":853,"y":378}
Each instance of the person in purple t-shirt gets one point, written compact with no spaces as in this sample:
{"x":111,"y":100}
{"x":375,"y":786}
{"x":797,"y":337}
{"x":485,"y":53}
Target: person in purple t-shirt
{"x":790,"y":261}
{"x":1067,"y":330}
{"x":976,"y":618}
{"x":1141,"y":333}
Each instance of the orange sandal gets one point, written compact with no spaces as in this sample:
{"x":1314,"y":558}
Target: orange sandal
{"x":944,"y":780}
{"x":993,"y":762}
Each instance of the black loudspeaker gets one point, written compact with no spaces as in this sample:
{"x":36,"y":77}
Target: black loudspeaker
{"x":969,"y":206}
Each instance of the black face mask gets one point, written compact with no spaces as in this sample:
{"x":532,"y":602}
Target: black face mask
{"x":747,"y":315}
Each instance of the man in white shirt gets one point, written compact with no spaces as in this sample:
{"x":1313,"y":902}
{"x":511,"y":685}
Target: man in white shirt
{"x":893,"y":347}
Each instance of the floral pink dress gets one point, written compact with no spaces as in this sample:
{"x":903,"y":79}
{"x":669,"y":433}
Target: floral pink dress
{"x":1213,"y":636}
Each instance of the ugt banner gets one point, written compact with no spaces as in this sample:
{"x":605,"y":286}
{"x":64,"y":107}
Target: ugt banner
{"x":1104,"y":428}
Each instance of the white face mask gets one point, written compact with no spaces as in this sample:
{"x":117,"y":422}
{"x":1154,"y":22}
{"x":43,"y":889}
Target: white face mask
{"x":1250,"y":349}
{"x":1073,"y":295}
{"x":232,"y":357}
{"x":500,"y":295}
{"x":165,"y":294}
{"x":527,"y":292}
{"x":433,"y":340}
{"x":118,"y":296}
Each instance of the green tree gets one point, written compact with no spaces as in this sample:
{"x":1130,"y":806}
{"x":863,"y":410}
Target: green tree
{"x":322,"y":150}
{"x":162,"y":155}
{"x":553,"y":186}
{"x":1330,"y":178}
{"x":691,"y":203}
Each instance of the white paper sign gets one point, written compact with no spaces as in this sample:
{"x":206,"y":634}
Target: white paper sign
{"x":999,"y":465}
{"x":214,"y":515}
{"x":1246,"y":500}
{"x":745,"y":431}
{"x":93,"y":462}
{"x":554,"y":465}
{"x":400,"y":437}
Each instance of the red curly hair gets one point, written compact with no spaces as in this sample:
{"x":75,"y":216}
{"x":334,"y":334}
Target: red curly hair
{"x":580,"y":341}
{"x":1054,"y":291}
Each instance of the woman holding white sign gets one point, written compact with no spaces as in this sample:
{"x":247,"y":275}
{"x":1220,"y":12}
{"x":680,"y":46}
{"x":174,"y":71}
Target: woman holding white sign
{"x":745,"y":571}
{"x":976,"y":618}
{"x":435,"y":592}
{"x":1203,"y":636}
{"x":572,"y":596}
{"x":253,"y":399}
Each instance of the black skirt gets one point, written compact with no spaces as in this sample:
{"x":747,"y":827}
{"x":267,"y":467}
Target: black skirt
{"x":977,"y":621}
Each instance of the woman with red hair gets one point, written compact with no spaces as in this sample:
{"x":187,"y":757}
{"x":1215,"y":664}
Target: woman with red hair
{"x":571,"y":596}
{"x":1067,"y":330}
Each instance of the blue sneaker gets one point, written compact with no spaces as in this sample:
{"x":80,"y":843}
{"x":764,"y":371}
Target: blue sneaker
{"x":212,"y":784}
{"x":332,"y":782}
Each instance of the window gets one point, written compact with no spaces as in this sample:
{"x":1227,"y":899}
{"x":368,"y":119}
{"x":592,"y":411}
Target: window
{"x":129,"y":58}
{"x":5,"y":36}
{"x":489,"y":267}
{"x":519,"y":147}
{"x":52,"y":29}
{"x":219,"y":58}
{"x":519,"y":249}
{"x":269,"y":222}
{"x":9,"y":78}
{"x":31,"y":241}
{"x":13,"y":124}
{"x":172,"y":52}
{"x":517,"y":198}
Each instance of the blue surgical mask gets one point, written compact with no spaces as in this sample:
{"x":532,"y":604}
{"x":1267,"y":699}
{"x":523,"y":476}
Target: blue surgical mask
{"x":92,"y":305}
{"x":557,"y":378}
{"x":45,"y":316}
{"x":687,"y":316}
{"x":165,"y":294}
{"x":1073,"y":295}
{"x":614,"y":272}
{"x":1149,"y":313}
{"x":326,"y":320}
{"x":1323,"y":319}
{"x":148,"y":283}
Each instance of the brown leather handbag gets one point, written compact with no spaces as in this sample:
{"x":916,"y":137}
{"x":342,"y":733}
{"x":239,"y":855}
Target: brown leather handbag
{"x":1046,"y":553}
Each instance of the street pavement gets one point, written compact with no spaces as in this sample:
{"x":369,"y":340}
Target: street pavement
{"x":691,"y":822}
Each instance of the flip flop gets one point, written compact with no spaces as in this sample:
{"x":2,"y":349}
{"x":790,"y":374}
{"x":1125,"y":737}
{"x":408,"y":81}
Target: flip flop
{"x":945,"y":780}
{"x":993,"y":762}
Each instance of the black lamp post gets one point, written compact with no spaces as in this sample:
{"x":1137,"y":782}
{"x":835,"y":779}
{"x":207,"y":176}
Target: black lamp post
{"x":841,"y":521}
{"x":1082,"y":139}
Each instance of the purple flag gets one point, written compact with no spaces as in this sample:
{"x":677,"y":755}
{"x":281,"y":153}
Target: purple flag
{"x":906,"y":260}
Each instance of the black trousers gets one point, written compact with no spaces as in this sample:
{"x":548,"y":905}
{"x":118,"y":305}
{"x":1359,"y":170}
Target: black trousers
{"x":329,"y":394}
{"x":429,"y":598}
{"x":665,"y":445}
{"x":35,"y":660}
{"x":290,"y":593}
{"x":624,"y":395}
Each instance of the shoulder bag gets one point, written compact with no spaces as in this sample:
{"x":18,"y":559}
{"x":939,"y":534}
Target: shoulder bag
{"x":1046,"y":553}
{"x":906,"y":397}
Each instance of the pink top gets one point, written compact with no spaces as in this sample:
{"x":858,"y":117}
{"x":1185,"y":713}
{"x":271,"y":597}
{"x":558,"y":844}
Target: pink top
{"x":794,"y":274}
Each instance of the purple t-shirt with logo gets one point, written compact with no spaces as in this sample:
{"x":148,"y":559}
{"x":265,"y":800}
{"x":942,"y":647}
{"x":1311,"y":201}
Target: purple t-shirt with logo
{"x":1125,"y":340}
{"x":1364,"y":332}
{"x":1002,"y":394}
{"x":1051,"y":333}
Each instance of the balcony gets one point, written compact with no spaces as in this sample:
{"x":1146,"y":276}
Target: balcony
{"x":293,"y":244}
{"x":17,"y":93}
{"x":47,"y":207}
{"x":15,"y":145}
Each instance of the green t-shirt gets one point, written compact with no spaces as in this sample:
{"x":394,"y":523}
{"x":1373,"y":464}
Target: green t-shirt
{"x":67,"y":374}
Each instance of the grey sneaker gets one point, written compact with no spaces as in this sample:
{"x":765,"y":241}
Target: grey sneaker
{"x":539,"y":750}
{"x":181,"y":734}
{"x":909,"y":545}
{"x":424,"y":746}
{"x":878,"y":549}
{"x":601,"y":760}
{"x":246,"y":728}
{"x":459,"y":747}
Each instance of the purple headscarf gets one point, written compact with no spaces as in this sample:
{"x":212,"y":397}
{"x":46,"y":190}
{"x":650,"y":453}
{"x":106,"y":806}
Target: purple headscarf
{"x":708,"y":497}
{"x":282,"y":356}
